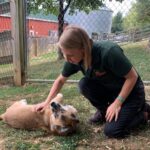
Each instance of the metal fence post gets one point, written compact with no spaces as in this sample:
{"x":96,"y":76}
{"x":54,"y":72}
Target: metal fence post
{"x":18,"y":11}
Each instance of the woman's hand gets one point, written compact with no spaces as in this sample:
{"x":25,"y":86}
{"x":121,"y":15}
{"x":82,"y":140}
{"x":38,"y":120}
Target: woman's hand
{"x":41,"y":106}
{"x":113,"y":111}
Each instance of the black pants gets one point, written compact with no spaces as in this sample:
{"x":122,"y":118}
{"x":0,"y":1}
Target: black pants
{"x":131,"y":114}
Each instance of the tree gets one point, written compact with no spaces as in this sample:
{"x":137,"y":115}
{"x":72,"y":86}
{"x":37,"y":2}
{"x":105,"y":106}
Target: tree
{"x":130,"y":20}
{"x":60,"y":7}
{"x":139,"y":15}
{"x":143,"y":12}
{"x":117,"y":23}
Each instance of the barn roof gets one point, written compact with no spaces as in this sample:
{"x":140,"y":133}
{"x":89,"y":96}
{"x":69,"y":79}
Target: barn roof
{"x":38,"y":16}
{"x":42,"y":16}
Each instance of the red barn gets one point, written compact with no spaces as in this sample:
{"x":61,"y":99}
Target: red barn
{"x":37,"y":25}
{"x":5,"y":23}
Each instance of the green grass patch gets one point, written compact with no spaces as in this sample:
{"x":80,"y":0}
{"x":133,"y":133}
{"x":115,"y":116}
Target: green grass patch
{"x":86,"y":137}
{"x":140,"y":58}
{"x":48,"y":67}
{"x":13,"y":91}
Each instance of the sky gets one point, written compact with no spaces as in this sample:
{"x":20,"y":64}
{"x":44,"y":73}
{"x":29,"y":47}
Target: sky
{"x":123,"y":7}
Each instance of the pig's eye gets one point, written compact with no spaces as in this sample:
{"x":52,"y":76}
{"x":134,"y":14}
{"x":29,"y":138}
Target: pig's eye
{"x":62,"y":110}
{"x":73,"y":116}
{"x":63,"y":118}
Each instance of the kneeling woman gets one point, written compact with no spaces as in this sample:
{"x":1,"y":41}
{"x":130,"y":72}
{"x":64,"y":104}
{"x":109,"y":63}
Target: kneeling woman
{"x":110,"y":82}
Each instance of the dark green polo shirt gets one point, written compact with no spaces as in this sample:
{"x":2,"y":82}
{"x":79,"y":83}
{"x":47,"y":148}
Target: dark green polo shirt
{"x":109,"y":64}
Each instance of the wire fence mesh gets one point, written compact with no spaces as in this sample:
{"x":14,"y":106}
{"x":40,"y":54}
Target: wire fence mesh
{"x":122,"y":23}
{"x":112,"y":21}
{"x":6,"y":51}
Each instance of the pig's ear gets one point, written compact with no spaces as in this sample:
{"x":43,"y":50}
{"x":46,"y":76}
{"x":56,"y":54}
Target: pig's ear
{"x":2,"y":117}
{"x":58,"y":98}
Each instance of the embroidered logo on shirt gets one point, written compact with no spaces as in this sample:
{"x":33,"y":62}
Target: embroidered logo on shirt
{"x":99,"y":74}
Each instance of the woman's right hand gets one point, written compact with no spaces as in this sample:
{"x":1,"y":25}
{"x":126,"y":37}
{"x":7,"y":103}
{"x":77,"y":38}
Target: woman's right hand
{"x":41,"y":106}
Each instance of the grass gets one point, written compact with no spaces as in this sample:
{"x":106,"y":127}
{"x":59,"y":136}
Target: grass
{"x":34,"y":93}
{"x":140,"y":58}
{"x":48,"y":67}
{"x":88,"y":137}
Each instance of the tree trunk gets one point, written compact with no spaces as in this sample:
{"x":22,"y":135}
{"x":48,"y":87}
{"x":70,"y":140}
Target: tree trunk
{"x":60,"y":25}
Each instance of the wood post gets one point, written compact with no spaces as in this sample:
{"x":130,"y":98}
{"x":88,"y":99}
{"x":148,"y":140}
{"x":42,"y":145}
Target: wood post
{"x":18,"y":11}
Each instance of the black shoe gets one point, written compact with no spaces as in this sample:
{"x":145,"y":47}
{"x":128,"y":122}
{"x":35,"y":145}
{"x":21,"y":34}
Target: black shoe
{"x":97,"y":118}
{"x":147,"y":110}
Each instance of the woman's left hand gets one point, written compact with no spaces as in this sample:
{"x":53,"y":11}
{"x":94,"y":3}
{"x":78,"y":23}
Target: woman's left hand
{"x":113,"y":111}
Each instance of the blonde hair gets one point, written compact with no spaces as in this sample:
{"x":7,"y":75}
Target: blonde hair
{"x":75,"y":37}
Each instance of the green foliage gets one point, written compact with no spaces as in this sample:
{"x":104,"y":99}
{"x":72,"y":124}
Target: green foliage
{"x":130,"y":20}
{"x":47,"y":6}
{"x":52,"y":6}
{"x":85,"y":5}
{"x":139,"y":15}
{"x":117,"y":23}
{"x":143,"y":12}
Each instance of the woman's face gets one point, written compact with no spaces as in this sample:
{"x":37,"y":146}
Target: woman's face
{"x":73,"y":56}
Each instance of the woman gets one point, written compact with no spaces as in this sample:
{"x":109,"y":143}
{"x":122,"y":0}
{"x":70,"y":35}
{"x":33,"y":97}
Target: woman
{"x":110,"y":82}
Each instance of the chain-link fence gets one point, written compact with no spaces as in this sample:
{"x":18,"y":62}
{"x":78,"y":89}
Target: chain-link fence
{"x":120,"y":22}
{"x":111,"y":20}
{"x":6,"y":51}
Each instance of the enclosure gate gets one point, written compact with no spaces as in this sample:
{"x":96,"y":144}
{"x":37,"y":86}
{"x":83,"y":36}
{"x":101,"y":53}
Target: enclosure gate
{"x":12,"y":41}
